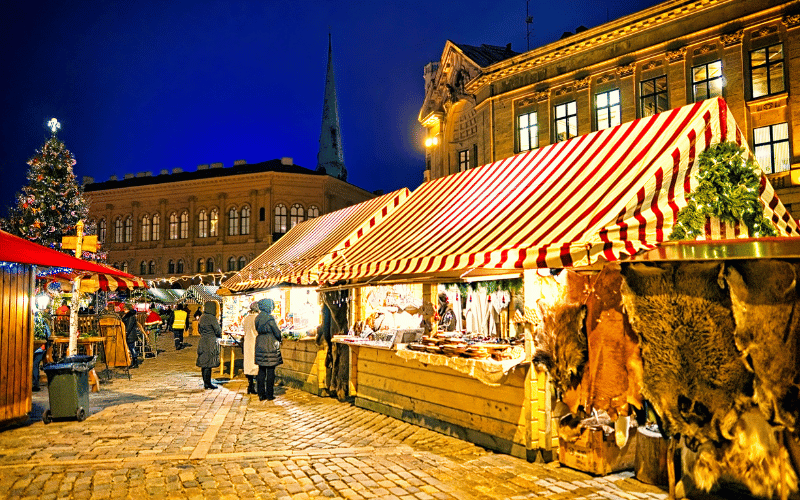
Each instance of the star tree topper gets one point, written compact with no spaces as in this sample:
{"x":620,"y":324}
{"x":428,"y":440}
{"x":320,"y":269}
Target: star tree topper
{"x":53,"y":125}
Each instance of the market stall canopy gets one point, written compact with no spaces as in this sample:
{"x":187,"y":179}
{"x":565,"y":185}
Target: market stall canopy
{"x":200,"y":294}
{"x":596,"y":197}
{"x":165,"y":295}
{"x":296,"y":257}
{"x":109,"y":280}
{"x":16,"y":249}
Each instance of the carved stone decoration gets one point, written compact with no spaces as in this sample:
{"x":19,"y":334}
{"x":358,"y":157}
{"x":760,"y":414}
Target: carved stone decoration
{"x":582,"y":83}
{"x":766,"y":30}
{"x":542,"y":95}
{"x":526,"y":101}
{"x":605,"y":79}
{"x":734,"y":38}
{"x":626,"y":70}
{"x":676,"y":55}
{"x":705,"y":49}
{"x":651,"y":65}
{"x":566,"y":89}
{"x":791,"y":20}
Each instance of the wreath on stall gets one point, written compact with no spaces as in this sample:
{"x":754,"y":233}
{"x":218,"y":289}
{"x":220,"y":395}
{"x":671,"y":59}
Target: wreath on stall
{"x":728,"y":188}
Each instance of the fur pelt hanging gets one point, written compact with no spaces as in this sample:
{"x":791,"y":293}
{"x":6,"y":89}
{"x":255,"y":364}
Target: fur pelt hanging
{"x":692,"y":372}
{"x":335,"y":322}
{"x":766,"y":306}
{"x":561,"y":345}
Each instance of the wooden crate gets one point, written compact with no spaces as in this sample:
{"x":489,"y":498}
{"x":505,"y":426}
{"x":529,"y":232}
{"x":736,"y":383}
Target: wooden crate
{"x":596,"y":452}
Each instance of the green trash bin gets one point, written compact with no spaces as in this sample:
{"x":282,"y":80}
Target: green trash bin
{"x":68,"y":388}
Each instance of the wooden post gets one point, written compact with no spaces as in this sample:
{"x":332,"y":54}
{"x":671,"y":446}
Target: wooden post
{"x":76,"y":293}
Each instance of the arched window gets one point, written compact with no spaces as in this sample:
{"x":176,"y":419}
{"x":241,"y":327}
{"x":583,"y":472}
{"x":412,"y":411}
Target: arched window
{"x":201,"y":265}
{"x":118,"y":230}
{"x":180,"y":266}
{"x":116,"y":265}
{"x":313,"y":211}
{"x":171,"y":267}
{"x":242,"y":263}
{"x":245,"y":225}
{"x":297,"y":214}
{"x":232,"y":264}
{"x":125,"y":267}
{"x":233,"y":222}
{"x":210,"y":265}
{"x":156,"y":227}
{"x":173,"y":226}
{"x":184,"y":225}
{"x":145,"y":228}
{"x":128,"y":229}
{"x":101,"y":231}
{"x":152,"y":267}
{"x":280,"y":218}
{"x":143,"y":267}
{"x":214,"y":223}
{"x":202,"y":224}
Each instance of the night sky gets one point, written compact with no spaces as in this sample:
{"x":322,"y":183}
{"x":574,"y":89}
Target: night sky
{"x":152,"y":85}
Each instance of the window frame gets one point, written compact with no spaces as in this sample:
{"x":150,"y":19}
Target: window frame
{"x":184,"y":225}
{"x":568,"y":119}
{"x":118,"y":230}
{"x":313,"y":212}
{"x":767,"y":65}
{"x":233,"y":221}
{"x":643,"y":98}
{"x":297,"y":214}
{"x":281,"y":220}
{"x":213,"y":223}
{"x":244,"y":220}
{"x":156,"y":223}
{"x":145,"y":227}
{"x":241,"y":263}
{"x":608,"y":109}
{"x":231,"y":264}
{"x":463,"y":159}
{"x":532,"y":138}
{"x":202,"y":224}
{"x":772,"y":143}
{"x":173,"y":226}
{"x":179,"y":266}
{"x":128,"y":229}
{"x":151,"y":267}
{"x":707,"y":81}
{"x":171,"y":267}
{"x":102,"y":230}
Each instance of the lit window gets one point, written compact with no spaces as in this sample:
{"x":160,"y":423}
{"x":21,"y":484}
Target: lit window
{"x":607,"y":108}
{"x":766,"y":71}
{"x":297,"y":214}
{"x":173,"y":226}
{"x":653,"y":96}
{"x":233,"y":222}
{"x":125,"y":267}
{"x":707,"y":81}
{"x":463,"y":160}
{"x":242,"y":263}
{"x":101,"y":231}
{"x":156,"y":227}
{"x":118,"y":230}
{"x":244,"y":227}
{"x":566,"y":121}
{"x":128,"y":229}
{"x":171,"y":267}
{"x":232,"y":264}
{"x":180,"y":266}
{"x":771,"y":146}
{"x":313,"y":211}
{"x":152,"y":267}
{"x":280,"y":218}
{"x":146,"y":228}
{"x":184,"y":224}
{"x":213,"y":223}
{"x":202,"y":224}
{"x":528,"y":131}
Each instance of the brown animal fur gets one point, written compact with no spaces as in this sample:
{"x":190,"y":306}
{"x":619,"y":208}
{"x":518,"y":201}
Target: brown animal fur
{"x":561,"y":344}
{"x":766,"y":306}
{"x":692,"y":372}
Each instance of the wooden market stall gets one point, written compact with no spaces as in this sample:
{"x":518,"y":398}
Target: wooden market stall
{"x":574,"y":206}
{"x":288,"y":272}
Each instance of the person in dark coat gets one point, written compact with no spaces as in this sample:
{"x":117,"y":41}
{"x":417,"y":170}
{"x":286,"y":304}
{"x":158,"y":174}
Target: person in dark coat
{"x":131,"y":331}
{"x":268,"y":350}
{"x":208,"y":348}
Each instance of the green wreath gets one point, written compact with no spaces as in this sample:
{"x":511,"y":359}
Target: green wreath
{"x":728,"y":189}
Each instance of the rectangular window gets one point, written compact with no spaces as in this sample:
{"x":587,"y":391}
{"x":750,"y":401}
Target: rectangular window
{"x":653,"y":96}
{"x":463,"y":160}
{"x":607,"y":108}
{"x":566,"y":122}
{"x":771,"y":145}
{"x":766,"y":71}
{"x":707,"y":81}
{"x":528,"y":131}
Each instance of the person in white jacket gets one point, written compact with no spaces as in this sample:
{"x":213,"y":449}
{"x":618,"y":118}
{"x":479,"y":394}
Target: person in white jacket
{"x":249,"y":348}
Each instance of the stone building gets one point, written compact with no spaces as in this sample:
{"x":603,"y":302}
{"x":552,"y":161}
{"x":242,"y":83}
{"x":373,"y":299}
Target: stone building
{"x":487,"y":103}
{"x":200,"y":225}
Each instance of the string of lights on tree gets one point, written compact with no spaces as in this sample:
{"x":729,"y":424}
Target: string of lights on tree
{"x":728,"y":188}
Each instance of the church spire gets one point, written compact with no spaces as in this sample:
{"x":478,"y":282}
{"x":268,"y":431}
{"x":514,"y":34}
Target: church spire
{"x":330,"y":158}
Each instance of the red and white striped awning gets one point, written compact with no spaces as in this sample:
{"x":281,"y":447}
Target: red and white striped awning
{"x":601,"y":196}
{"x":296,"y":256}
{"x":110,"y":280}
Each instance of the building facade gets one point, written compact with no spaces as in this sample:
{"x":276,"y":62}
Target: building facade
{"x":487,"y":103}
{"x":197,"y":226}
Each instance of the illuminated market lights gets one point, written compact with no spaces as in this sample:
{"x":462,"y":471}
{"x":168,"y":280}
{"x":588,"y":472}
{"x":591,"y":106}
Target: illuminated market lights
{"x":431,"y":141}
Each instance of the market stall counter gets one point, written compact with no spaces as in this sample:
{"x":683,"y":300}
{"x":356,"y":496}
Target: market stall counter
{"x":303,"y":364}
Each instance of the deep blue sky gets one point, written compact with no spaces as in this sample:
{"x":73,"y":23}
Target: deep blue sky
{"x":152,"y":85}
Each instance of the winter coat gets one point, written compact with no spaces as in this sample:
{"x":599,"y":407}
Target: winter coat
{"x":210,"y":331}
{"x":180,"y":320}
{"x":268,"y":341}
{"x":131,"y":326}
{"x":250,"y":334}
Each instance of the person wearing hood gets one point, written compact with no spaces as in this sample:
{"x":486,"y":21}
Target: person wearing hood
{"x":208,"y":348}
{"x":249,"y":348}
{"x":131,"y":334}
{"x":268,"y":349}
{"x":447,"y":320}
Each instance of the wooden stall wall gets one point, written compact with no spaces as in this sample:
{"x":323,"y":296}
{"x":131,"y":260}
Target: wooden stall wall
{"x":303,"y":365}
{"x":16,"y":341}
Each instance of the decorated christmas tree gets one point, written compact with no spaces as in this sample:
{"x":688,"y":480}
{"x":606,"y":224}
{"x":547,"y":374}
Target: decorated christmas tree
{"x":52,"y":202}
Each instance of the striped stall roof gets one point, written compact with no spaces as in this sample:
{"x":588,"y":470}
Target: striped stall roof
{"x":600,"y":196}
{"x":297,"y":255}
{"x":109,"y":281}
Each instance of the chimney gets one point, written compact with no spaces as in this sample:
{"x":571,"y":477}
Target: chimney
{"x":204,"y":166}
{"x":87,"y":180}
{"x":287,"y":161}
{"x":129,"y":176}
{"x":164,"y":171}
{"x":112,"y":178}
{"x":240,"y":162}
{"x":216,"y":165}
{"x":177,"y":170}
{"x":141,"y":174}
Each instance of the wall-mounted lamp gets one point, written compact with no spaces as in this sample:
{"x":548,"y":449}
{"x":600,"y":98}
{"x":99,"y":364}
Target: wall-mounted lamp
{"x":431,"y":141}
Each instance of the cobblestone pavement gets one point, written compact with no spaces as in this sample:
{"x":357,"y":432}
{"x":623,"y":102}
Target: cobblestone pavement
{"x":160,"y":435}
